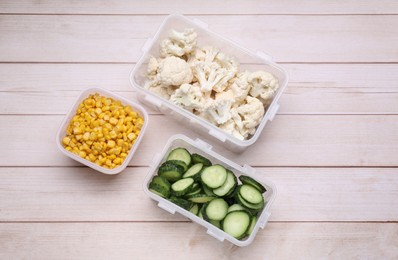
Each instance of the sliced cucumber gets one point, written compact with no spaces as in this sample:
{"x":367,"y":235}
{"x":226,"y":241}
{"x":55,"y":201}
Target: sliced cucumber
{"x":195,"y":209}
{"x":201,"y":198}
{"x":194,"y":171}
{"x":160,"y":186}
{"x":180,"y":163}
{"x":250,"y":194}
{"x":252,"y":224}
{"x":214,"y":176}
{"x":196,"y":189}
{"x":180,"y":154}
{"x":197,"y":158}
{"x":254,"y":207}
{"x":236,"y":223}
{"x":217,"y":209}
{"x":216,"y":223}
{"x":228,"y":186}
{"x":208,"y":191}
{"x":170,"y":171}
{"x":235,"y":207}
{"x":185,"y":204}
{"x":159,"y":193}
{"x":161,"y":181}
{"x":250,"y":181}
{"x":182,"y":186}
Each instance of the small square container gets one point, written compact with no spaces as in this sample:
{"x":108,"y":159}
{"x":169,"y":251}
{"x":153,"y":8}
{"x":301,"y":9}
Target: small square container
{"x":204,"y":149}
{"x":248,"y":60}
{"x":72,"y":112}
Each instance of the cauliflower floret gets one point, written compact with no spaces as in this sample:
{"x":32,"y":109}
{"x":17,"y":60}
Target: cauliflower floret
{"x":240,"y":87}
{"x":248,"y":116}
{"x":219,"y":110}
{"x":174,"y":71}
{"x":264,"y":86}
{"x":188,"y":97}
{"x":178,"y":43}
{"x":152,"y":69}
{"x":206,"y":54}
{"x":211,"y":76}
{"x":163,"y":91}
{"x":231,"y":128}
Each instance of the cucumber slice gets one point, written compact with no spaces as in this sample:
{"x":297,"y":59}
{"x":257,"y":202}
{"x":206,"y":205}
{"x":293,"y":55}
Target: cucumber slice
{"x":194,"y":171}
{"x":250,"y":194}
{"x":236,"y":223}
{"x":170,"y":171}
{"x":250,"y":181}
{"x":180,"y":154}
{"x":182,"y":186}
{"x":202,"y":213}
{"x":216,"y":223}
{"x":252,"y":224}
{"x":255,"y":207}
{"x":214,"y":176}
{"x":197,"y":158}
{"x":185,"y":204}
{"x":180,"y":163}
{"x":208,"y":191}
{"x":196,"y":189}
{"x":165,"y":193}
{"x":217,"y":209}
{"x":228,"y":186}
{"x":161,"y":181}
{"x":195,"y":209}
{"x":235,"y":207}
{"x":201,"y":198}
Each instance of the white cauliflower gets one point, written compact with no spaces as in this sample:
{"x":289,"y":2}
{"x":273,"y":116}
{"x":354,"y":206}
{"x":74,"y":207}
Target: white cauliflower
{"x":163,"y":91}
{"x":231,"y":128}
{"x":248,"y":116}
{"x":211,"y":76}
{"x":206,"y":54}
{"x":152,"y":69}
{"x":178,"y":43}
{"x":240,"y":87}
{"x":264,"y":86}
{"x":174,"y":71}
{"x":188,"y":96}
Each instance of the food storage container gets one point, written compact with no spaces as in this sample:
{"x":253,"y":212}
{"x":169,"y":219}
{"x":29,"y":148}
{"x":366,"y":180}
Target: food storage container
{"x":248,"y":60}
{"x":72,"y":112}
{"x":204,"y":149}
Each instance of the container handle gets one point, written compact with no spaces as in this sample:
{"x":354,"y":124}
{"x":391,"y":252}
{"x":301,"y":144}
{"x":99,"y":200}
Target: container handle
{"x":166,"y":207}
{"x":216,"y":234}
{"x":217,"y":135}
{"x":202,"y":144}
{"x":264,"y":221}
{"x":153,"y":101}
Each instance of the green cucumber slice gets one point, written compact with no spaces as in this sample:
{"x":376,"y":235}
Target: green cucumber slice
{"x":250,"y":194}
{"x":170,"y":171}
{"x":194,"y":171}
{"x":197,"y":158}
{"x":182,"y":186}
{"x":201,"y":198}
{"x":228,"y":186}
{"x":217,"y":209}
{"x":180,"y":154}
{"x":236,"y":223}
{"x":214,"y":176}
{"x":250,"y":181}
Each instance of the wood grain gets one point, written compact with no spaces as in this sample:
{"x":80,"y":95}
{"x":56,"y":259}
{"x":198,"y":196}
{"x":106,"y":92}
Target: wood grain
{"x":80,"y":194}
{"x":160,"y":241}
{"x":202,"y":7}
{"x":63,"y":38}
{"x":287,"y":141}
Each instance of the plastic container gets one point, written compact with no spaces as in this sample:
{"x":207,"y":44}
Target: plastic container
{"x":201,"y":147}
{"x":248,"y":60}
{"x":72,"y":112}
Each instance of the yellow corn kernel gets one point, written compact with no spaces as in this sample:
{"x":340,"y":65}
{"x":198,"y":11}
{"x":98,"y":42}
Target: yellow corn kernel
{"x":113,"y":121}
{"x":92,"y":157}
{"x":78,"y":137}
{"x":77,"y":130}
{"x":82,"y":154}
{"x":68,"y":148}
{"x":117,"y":161}
{"x":111,"y":144}
{"x":123,"y":155}
{"x":132,"y":136}
{"x":93,"y":136}
{"x":108,"y":162}
{"x":65,"y":140}
{"x":112,"y":157}
{"x":97,"y":146}
{"x":86,"y":136}
{"x":112,"y":134}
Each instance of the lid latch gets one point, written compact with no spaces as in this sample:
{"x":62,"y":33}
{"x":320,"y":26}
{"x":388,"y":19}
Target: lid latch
{"x":202,"y":144}
{"x":216,"y":234}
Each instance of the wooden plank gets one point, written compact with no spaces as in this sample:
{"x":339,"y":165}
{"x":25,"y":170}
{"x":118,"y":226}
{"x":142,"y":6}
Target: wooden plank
{"x":333,"y":194}
{"x":119,"y":38}
{"x":289,"y":140}
{"x":203,"y":7}
{"x":313,"y":89}
{"x":42,"y":77}
{"x":183,"y":240}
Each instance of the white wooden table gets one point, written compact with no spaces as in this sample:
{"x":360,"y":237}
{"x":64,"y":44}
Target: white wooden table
{"x":332,"y":150}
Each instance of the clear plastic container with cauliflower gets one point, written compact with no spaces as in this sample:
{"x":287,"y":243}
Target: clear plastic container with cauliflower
{"x":211,"y":84}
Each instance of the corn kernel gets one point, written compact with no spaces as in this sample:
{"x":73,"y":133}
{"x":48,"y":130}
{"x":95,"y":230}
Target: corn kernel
{"x":66,"y":140}
{"x":117,"y":161}
{"x":113,"y":121}
{"x":132,"y":136}
{"x":111,"y":144}
{"x":68,"y":148}
{"x":82,"y":154}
